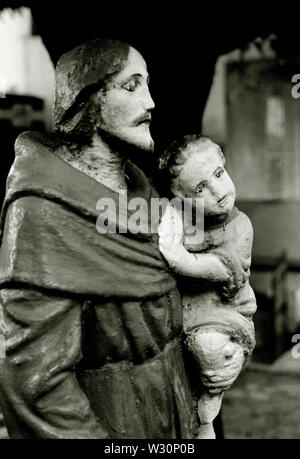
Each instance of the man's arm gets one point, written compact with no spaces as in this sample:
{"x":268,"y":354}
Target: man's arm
{"x":40,"y":393}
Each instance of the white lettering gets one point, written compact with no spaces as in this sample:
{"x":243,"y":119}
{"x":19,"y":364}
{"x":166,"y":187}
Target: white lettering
{"x":296,"y":88}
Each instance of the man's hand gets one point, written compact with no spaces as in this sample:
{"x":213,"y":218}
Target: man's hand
{"x":231,"y":363}
{"x":170,"y":232}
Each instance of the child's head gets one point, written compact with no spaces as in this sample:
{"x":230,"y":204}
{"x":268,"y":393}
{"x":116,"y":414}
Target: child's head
{"x":195,"y":168}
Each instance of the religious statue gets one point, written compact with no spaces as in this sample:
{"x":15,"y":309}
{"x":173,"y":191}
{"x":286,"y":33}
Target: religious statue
{"x":218,"y":301}
{"x":94,"y":330}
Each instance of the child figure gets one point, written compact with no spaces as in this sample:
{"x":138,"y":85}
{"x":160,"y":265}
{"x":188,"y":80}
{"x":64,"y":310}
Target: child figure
{"x":218,"y":301}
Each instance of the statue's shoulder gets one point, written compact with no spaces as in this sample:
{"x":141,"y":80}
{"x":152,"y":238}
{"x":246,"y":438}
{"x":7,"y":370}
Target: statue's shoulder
{"x":33,"y":140}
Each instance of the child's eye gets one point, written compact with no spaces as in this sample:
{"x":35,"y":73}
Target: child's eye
{"x":199,"y":189}
{"x":131,"y":86}
{"x":219,"y":173}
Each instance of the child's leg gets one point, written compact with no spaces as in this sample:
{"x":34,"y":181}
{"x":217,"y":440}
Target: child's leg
{"x":208,"y":408}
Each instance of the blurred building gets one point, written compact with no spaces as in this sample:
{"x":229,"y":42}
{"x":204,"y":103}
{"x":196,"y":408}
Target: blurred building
{"x":25,"y":65}
{"x":17,"y":114}
{"x":26,"y":84}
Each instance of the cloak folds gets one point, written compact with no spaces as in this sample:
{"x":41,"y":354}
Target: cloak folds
{"x":56,"y":203}
{"x":94,"y":320}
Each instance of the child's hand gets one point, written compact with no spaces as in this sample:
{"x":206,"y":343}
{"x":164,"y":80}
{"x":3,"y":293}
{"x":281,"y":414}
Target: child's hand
{"x":214,"y":270}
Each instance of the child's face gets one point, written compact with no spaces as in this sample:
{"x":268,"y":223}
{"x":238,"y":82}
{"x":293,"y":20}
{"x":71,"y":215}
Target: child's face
{"x":203,"y":176}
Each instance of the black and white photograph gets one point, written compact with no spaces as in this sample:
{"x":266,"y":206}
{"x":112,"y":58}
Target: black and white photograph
{"x":149,"y":225}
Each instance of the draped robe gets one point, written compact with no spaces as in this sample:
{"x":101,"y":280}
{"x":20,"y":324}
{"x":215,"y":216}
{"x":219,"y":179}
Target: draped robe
{"x":94,"y":340}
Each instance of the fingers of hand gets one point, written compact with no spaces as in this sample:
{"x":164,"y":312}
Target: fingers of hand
{"x":220,"y":385}
{"x":170,"y":229}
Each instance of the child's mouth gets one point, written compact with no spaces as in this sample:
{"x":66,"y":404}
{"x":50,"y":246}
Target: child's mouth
{"x":222,"y":202}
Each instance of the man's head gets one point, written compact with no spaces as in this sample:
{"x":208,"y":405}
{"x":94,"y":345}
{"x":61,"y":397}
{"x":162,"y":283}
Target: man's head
{"x":102,"y":88}
{"x":195,"y":166}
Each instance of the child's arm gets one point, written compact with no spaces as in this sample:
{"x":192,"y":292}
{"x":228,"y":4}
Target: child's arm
{"x":201,"y":265}
{"x":235,"y":252}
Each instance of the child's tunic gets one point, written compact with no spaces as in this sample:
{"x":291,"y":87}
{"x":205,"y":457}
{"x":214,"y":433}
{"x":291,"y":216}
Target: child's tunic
{"x":227,"y":308}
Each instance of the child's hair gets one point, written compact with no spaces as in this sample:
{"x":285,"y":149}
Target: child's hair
{"x":172,"y":160}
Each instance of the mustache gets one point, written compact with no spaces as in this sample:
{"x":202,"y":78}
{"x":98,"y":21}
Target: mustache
{"x":142,"y":118}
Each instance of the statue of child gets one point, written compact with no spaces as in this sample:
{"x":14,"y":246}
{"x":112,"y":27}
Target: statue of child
{"x":218,"y":300}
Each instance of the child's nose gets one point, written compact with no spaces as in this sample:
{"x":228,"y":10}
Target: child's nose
{"x":217,"y":190}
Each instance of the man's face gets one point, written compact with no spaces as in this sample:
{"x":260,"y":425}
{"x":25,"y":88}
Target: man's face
{"x":126,"y":104}
{"x":203,"y":176}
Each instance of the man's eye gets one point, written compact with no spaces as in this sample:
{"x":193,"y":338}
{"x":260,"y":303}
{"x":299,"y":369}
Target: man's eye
{"x":130,"y":86}
{"x":219,"y":173}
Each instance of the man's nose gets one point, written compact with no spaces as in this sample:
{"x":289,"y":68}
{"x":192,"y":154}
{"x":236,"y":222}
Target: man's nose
{"x":147,"y":101}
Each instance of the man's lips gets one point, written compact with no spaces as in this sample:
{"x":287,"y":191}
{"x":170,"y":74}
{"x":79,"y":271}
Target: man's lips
{"x":144,"y":120}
